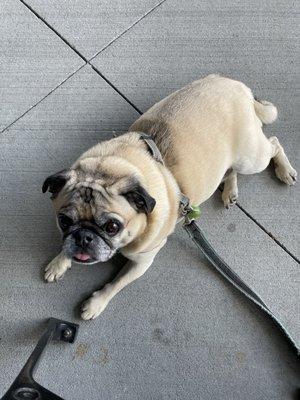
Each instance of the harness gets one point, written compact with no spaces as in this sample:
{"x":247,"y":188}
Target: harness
{"x":190,"y":213}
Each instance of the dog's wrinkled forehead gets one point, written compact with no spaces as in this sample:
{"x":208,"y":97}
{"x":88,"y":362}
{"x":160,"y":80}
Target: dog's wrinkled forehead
{"x":82,"y":202}
{"x":91,"y":196}
{"x":85,"y":186}
{"x":88,"y":196}
{"x":91,"y":189}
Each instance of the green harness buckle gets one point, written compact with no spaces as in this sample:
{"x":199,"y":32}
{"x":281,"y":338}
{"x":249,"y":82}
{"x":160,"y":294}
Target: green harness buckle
{"x":189,"y":211}
{"x":194,"y":213}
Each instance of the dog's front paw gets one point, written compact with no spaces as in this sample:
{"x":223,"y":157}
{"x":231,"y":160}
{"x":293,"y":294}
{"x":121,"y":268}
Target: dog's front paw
{"x":56,"y":268}
{"x":94,"y":306}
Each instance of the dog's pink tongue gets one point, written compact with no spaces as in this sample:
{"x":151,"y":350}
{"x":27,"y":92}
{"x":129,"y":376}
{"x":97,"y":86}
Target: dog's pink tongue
{"x":82,"y":256}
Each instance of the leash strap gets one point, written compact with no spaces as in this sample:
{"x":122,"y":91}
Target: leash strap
{"x":221,"y":266}
{"x":190,"y":213}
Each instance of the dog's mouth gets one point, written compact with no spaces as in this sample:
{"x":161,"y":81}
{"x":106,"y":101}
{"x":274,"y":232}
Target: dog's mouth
{"x":83,"y":258}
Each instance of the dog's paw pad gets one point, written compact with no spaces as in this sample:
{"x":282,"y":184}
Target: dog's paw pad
{"x":286,"y":174}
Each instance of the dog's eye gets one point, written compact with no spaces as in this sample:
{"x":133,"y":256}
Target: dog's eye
{"x":64,"y":221}
{"x":112,"y":227}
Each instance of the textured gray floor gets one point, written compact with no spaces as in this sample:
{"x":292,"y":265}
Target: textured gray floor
{"x":180,"y":332}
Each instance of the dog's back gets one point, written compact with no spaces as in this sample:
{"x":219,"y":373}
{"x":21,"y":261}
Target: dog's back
{"x":198,"y":129}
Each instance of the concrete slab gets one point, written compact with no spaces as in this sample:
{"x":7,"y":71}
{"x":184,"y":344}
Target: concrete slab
{"x":33,"y":61}
{"x":91,"y":25}
{"x":254,"y":42}
{"x":179,"y":332}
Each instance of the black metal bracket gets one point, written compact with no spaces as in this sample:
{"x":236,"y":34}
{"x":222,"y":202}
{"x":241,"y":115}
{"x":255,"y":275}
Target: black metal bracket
{"x":24,"y":386}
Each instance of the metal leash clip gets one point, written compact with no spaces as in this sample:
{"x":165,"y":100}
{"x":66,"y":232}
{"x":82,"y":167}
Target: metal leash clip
{"x":188,"y":211}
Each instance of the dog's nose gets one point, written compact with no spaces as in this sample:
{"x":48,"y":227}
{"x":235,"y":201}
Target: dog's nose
{"x":83,"y":237}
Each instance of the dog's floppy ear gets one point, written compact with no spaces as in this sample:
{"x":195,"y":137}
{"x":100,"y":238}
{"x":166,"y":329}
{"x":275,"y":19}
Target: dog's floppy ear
{"x":140,"y":199}
{"x":54,"y":183}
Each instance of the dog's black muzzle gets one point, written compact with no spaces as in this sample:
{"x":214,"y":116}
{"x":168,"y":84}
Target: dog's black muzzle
{"x":85,"y":244}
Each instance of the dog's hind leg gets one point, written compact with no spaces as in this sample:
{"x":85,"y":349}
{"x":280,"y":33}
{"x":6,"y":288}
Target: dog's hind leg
{"x":283,"y":169}
{"x":267,"y":113}
{"x":230,"y":191}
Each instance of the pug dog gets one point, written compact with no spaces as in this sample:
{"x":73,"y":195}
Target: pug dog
{"x":118,"y":197}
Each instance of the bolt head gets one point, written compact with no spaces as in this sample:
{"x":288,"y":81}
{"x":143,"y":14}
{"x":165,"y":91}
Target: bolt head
{"x":67,"y":333}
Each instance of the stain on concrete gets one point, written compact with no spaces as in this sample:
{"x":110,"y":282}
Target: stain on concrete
{"x":104,"y":357}
{"x":240,"y":356}
{"x":81,"y":350}
{"x":159,"y":336}
{"x":188,"y":336}
{"x":231,"y":227}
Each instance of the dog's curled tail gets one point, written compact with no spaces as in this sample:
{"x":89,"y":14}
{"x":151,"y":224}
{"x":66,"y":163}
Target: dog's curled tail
{"x":265,"y":111}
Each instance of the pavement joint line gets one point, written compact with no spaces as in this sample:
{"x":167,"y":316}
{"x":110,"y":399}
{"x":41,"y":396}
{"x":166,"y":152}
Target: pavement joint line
{"x":87,"y":61}
{"x":127,"y":29}
{"x":268,"y":233}
{"x":43,"y":98}
{"x":54,"y":30}
{"x":116,"y":89}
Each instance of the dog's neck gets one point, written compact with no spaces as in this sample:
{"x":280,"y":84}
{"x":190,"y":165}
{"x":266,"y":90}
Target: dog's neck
{"x":164,"y":188}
